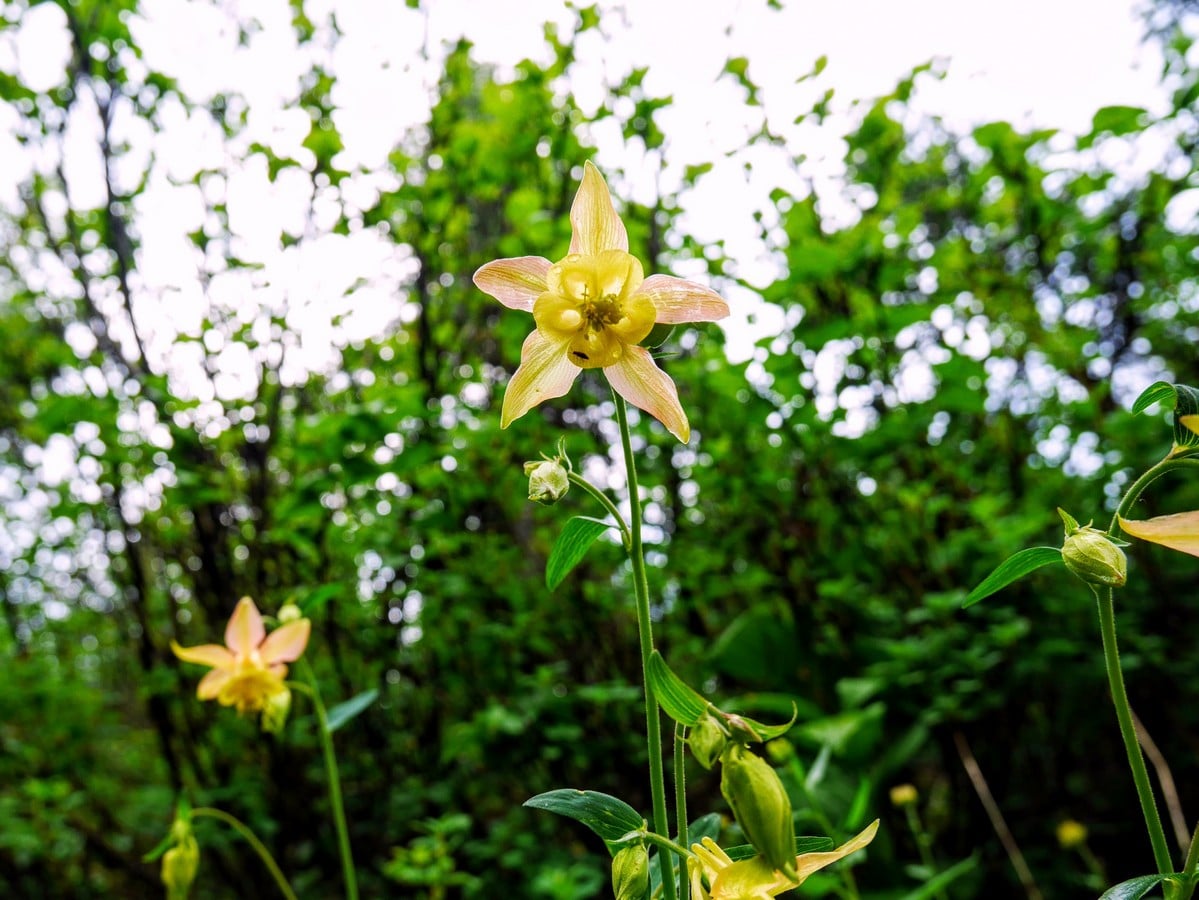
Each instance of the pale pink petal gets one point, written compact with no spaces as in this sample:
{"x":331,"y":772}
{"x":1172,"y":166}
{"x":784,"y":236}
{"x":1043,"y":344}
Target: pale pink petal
{"x":1178,"y":532}
{"x":1191,"y":422}
{"x":244,"y":631}
{"x":206,"y":655}
{"x":544,"y":373}
{"x":285,"y":644}
{"x":595,"y":226}
{"x":515,"y":282}
{"x":210,"y":685}
{"x":677,"y":300}
{"x":638,"y":379}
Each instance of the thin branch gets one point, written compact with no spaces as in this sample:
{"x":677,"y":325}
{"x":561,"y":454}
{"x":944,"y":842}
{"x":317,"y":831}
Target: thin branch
{"x":1166,"y":779}
{"x":997,"y":822}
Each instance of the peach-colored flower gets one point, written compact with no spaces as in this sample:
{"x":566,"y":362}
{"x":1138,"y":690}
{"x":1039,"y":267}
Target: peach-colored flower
{"x":1178,"y":532}
{"x":248,"y":671}
{"x":592,"y":309}
{"x":754,"y":879}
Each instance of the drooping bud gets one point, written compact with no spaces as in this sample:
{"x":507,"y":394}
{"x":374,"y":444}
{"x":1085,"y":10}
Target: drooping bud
{"x":179,"y":867}
{"x":707,"y":741}
{"x":1090,"y":554}
{"x":630,"y":873}
{"x":903,"y":795}
{"x":760,"y":803}
{"x":274,"y":711}
{"x":548,"y":481}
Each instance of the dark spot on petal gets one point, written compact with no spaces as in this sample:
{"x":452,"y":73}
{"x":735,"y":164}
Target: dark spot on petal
{"x":581,"y":355}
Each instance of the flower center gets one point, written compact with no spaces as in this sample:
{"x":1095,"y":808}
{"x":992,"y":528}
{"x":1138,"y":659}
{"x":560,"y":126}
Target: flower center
{"x":592,"y":306}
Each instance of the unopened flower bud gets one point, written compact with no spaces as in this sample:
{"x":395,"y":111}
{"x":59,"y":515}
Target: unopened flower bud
{"x":548,"y":481}
{"x":275,"y":710}
{"x":760,"y":803}
{"x":1071,"y":834}
{"x":179,"y":867}
{"x":630,"y":873}
{"x":707,"y":740}
{"x":1091,"y":555}
{"x":289,"y":613}
{"x":903,"y":795}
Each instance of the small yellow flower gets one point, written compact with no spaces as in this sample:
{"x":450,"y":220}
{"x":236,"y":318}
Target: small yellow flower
{"x":592,"y":309}
{"x":248,"y":671}
{"x":1071,"y":834}
{"x":1178,"y":532}
{"x":904,"y":795}
{"x":754,"y":879}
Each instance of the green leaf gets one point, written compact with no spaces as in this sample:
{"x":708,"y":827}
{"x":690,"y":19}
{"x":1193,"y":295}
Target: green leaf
{"x":802,"y":845}
{"x":1156,"y":393}
{"x":1118,"y":120}
{"x":1185,"y":401}
{"x":681,"y":703}
{"x":570,"y":548}
{"x":1134,"y":888}
{"x":343,"y":712}
{"x":1014,"y":568}
{"x":935,"y":886}
{"x":607,"y":816}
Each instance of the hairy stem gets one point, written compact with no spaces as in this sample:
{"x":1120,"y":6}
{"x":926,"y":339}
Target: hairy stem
{"x":653,"y":724}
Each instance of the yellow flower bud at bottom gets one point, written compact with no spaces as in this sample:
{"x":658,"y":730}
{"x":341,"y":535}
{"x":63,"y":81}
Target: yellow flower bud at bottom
{"x":179,"y":867}
{"x":903,"y":795}
{"x":630,"y":873}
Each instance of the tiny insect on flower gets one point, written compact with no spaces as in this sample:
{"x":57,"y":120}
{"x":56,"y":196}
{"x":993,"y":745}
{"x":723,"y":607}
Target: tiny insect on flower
{"x":591,"y":310}
{"x":248,"y":671}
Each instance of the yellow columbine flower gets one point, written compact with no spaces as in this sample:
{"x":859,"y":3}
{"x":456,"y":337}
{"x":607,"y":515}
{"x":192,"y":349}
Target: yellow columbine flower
{"x":754,"y":879}
{"x":1178,"y":532}
{"x":592,"y":309}
{"x":248,"y":671}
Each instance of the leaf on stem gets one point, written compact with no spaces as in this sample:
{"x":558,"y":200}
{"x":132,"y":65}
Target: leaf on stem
{"x":1013,"y":568}
{"x":343,"y":712}
{"x":604,"y":814}
{"x":570,"y":548}
{"x":1134,"y":888}
{"x":1185,"y":401}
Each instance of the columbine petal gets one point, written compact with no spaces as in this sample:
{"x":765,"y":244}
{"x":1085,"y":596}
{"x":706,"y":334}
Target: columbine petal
{"x":807,"y":863}
{"x":750,"y":878}
{"x":244,"y":631}
{"x":206,"y":655}
{"x":515,"y":282}
{"x":595,"y":226}
{"x":639,"y":380}
{"x":678,"y":300}
{"x":544,"y":373}
{"x":1178,"y":532}
{"x":285,"y":644}
{"x":210,"y":685}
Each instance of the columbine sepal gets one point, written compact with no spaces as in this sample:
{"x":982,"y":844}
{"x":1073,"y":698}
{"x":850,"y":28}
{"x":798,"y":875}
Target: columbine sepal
{"x":1091,"y":555}
{"x":754,"y":791}
{"x":630,"y":873}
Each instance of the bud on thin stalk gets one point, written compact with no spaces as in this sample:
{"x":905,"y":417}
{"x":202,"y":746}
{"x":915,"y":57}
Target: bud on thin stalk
{"x":630,"y":873}
{"x":760,"y":803}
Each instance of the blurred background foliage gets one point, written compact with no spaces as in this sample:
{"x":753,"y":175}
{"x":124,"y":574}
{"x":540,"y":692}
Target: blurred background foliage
{"x":953,"y":365}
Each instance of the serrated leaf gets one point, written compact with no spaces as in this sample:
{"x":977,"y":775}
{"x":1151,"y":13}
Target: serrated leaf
{"x":681,"y":703}
{"x":1012,"y":569}
{"x":604,"y":814}
{"x":570,"y":548}
{"x":344,"y":712}
{"x":1134,"y":888}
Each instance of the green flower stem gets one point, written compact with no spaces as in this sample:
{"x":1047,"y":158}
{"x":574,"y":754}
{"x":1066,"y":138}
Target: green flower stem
{"x":923,"y":844}
{"x":680,"y":800}
{"x":653,"y":724}
{"x":339,"y":813}
{"x":667,"y":844}
{"x":1190,"y":867}
{"x":606,"y":502}
{"x":252,"y":839}
{"x":1136,"y":761}
{"x":1138,"y":487}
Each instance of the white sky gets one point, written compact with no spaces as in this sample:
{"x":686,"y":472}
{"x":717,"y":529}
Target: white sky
{"x":1033,"y":63}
